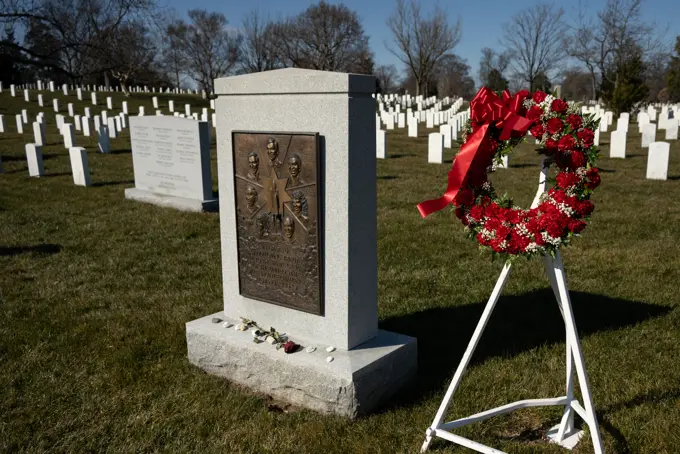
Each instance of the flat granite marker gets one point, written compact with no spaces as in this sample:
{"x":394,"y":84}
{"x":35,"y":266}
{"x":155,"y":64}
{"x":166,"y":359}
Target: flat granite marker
{"x":272,"y":167}
{"x":171,"y":159}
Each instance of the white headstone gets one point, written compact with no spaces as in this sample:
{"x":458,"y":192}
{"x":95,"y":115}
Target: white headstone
{"x":79,"y":167}
{"x":445,"y":130}
{"x":55,"y":104}
{"x":171,"y":160}
{"x":85,"y":124}
{"x":24,"y":116}
{"x":27,"y":97}
{"x":187,"y":110}
{"x":657,"y":161}
{"x":435,"y":149}
{"x":113,"y":133}
{"x":20,"y":124}
{"x":35,"y":160}
{"x":622,"y":124}
{"x":429,"y":120}
{"x":155,"y":102}
{"x":79,"y":93}
{"x":380,"y":144}
{"x":69,"y":138}
{"x":413,"y":128}
{"x":617,"y":147}
{"x":505,"y":162}
{"x":97,"y":122}
{"x":65,"y":89}
{"x":125,"y":108}
{"x":123,"y":121}
{"x":596,"y":139}
{"x":76,"y":122}
{"x":40,"y":101}
{"x":141,"y":111}
{"x":672,"y":129}
{"x":109,"y":102}
{"x":2,"y":123}
{"x":648,"y":134}
{"x":12,"y":90}
{"x":171,"y":106}
{"x":94,"y":98}
{"x":38,"y":134}
{"x":70,"y":110}
{"x":105,"y":117}
{"x":643,"y":119}
{"x":52,"y":86}
{"x":88,"y":114}
{"x":60,"y":122}
{"x":103,"y":140}
{"x":389,"y":121}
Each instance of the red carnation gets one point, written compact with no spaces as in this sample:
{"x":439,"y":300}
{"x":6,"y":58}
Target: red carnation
{"x":518,"y":243}
{"x":538,"y":131}
{"x":566,"y":143}
{"x":584,"y":208}
{"x":460,"y":214}
{"x":567,"y":179}
{"x":554,"y":125}
{"x":559,"y":106}
{"x":587,"y":137}
{"x":551,"y":145}
{"x":477,"y":212}
{"x":574,"y":121}
{"x":576,"y":160}
{"x":576,"y":226}
{"x":523,"y":94}
{"x":464,"y":197}
{"x":539,"y":97}
{"x":534,"y":113}
{"x":593,"y":177}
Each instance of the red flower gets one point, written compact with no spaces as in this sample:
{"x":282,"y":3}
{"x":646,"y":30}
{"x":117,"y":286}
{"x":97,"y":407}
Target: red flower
{"x":538,"y":131}
{"x":587,"y":137}
{"x":574,"y":121}
{"x":559,"y":106}
{"x":566,"y":143}
{"x":584,"y":208}
{"x":534,"y":113}
{"x":290,"y":347}
{"x":539,"y":97}
{"x":576,"y":160}
{"x":477,"y":212}
{"x":460,"y":214}
{"x":551,"y":145}
{"x":554,"y":125}
{"x":518,"y":243}
{"x":567,"y":179}
{"x":593,"y":177}
{"x":464,"y":197}
{"x":576,"y":226}
{"x":524,"y":94}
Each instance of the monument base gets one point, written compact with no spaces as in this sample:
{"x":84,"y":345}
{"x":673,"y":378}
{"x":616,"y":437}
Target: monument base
{"x":179,"y":203}
{"x":353,"y":384}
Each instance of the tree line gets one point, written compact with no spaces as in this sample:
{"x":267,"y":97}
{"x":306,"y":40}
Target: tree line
{"x":614,"y":55}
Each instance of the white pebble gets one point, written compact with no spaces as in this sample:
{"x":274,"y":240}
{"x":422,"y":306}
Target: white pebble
{"x":227,"y":324}
{"x":329,"y":359}
{"x":310,"y":349}
{"x":330,"y":349}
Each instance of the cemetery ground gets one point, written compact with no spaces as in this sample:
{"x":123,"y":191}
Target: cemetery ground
{"x":95,"y":291}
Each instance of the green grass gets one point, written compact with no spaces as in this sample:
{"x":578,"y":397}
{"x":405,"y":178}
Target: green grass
{"x":95,"y":291}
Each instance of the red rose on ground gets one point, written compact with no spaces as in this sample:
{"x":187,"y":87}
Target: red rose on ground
{"x":539,"y":97}
{"x":538,"y":131}
{"x":566,"y":143}
{"x":534,"y":113}
{"x":587,"y":137}
{"x":551,"y":145}
{"x":464,"y":197}
{"x":593,"y":177}
{"x":554,"y":125}
{"x":576,"y":160}
{"x":567,"y":179}
{"x":559,"y":106}
{"x":574,"y":121}
{"x":290,"y":347}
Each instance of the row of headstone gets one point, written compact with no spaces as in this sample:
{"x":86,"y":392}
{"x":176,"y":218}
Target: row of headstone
{"x":39,"y":85}
{"x":77,"y":157}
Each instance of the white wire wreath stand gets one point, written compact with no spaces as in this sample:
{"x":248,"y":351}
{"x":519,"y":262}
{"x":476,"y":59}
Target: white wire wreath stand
{"x":563,"y":434}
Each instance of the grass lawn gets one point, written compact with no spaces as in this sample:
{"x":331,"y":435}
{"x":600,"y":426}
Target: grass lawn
{"x":95,"y":291}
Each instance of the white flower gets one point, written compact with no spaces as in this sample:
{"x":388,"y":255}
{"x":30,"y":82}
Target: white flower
{"x":241,"y":327}
{"x":270,"y":339}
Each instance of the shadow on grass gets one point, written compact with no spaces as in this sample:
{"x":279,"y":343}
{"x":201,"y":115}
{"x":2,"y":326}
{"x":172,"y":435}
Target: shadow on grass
{"x":519,"y":323}
{"x":399,"y":155}
{"x":112,"y":183}
{"x":59,"y":174}
{"x":125,"y":151}
{"x":522,"y":166}
{"x":607,"y":170}
{"x":22,"y":158}
{"x":41,"y":249}
{"x":387,"y":177}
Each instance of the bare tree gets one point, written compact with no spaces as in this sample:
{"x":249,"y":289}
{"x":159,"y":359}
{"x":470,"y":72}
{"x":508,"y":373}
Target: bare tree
{"x":421,"y":42}
{"x":131,"y":51}
{"x":209,"y":49}
{"x":258,"y":52}
{"x":388,"y":78}
{"x":492,"y":68}
{"x":452,"y":76}
{"x":325,"y":37}
{"x":535,"y":39}
{"x":74,"y":35}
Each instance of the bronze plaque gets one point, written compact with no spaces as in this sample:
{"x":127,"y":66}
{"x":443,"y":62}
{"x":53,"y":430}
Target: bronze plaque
{"x":277,"y":184}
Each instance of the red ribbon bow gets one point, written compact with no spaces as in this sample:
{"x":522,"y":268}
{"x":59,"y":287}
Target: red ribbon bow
{"x":486,"y":109}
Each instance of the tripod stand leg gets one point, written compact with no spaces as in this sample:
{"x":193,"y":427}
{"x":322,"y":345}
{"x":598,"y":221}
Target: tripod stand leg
{"x":472,"y":345}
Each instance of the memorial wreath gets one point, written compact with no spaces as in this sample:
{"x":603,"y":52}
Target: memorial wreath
{"x":497,"y":124}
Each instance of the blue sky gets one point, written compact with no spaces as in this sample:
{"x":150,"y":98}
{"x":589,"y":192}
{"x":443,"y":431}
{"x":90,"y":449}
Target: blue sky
{"x":481,"y":21}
